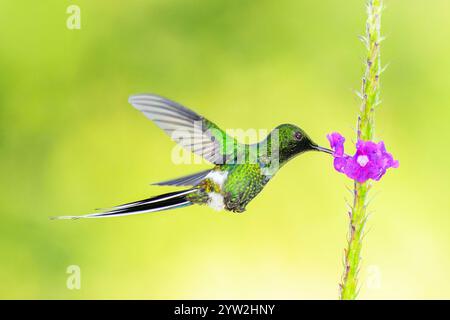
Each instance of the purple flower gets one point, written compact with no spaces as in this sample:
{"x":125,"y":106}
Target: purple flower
{"x":370,"y":161}
{"x":336,"y":143}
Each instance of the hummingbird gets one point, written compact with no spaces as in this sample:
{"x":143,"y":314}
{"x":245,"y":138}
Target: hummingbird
{"x":240,"y":170}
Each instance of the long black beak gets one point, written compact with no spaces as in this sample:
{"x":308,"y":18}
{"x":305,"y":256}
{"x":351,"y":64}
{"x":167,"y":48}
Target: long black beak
{"x":322,"y":149}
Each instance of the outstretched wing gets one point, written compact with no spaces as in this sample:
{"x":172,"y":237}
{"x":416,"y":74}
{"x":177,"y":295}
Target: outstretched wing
{"x":187,"y":128}
{"x":190,"y":180}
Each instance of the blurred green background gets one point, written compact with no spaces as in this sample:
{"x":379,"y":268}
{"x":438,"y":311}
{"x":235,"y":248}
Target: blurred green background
{"x":70,"y":143}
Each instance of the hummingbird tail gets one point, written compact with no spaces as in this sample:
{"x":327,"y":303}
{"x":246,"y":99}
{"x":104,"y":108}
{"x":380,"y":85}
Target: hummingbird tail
{"x":162,"y":202}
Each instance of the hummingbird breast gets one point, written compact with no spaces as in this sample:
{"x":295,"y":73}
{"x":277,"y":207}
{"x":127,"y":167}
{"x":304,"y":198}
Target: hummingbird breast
{"x":230,"y":187}
{"x":244,"y":182}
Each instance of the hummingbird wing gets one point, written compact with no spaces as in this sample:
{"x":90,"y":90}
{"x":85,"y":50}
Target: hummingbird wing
{"x":190,"y":180}
{"x":190,"y":130}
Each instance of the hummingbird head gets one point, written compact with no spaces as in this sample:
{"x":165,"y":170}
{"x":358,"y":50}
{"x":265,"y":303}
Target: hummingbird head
{"x":293,"y":141}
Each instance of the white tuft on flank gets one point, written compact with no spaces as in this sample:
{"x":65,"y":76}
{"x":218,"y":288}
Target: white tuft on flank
{"x":216,"y":201}
{"x":218,"y":177}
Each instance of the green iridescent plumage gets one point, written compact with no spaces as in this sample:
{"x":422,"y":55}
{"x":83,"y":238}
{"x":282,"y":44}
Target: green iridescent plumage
{"x":246,"y":178}
{"x":241,"y":170}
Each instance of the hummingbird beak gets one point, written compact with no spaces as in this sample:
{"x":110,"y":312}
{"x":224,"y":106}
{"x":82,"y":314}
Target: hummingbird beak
{"x":322,"y":149}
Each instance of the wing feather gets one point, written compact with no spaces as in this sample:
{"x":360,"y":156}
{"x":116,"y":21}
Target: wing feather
{"x":190,"y":130}
{"x":190,"y":180}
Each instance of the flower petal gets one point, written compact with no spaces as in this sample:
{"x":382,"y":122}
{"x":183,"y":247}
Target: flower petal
{"x":336,"y":143}
{"x":370,"y":161}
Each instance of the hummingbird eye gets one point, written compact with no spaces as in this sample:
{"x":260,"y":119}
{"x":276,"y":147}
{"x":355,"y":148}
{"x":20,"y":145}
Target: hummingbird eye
{"x":298,"y":136}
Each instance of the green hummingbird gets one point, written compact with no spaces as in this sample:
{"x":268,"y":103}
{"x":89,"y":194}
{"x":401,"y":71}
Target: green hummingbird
{"x":240,"y":170}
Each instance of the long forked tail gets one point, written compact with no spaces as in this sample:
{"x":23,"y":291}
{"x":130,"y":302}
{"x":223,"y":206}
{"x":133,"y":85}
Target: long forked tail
{"x":162,"y":202}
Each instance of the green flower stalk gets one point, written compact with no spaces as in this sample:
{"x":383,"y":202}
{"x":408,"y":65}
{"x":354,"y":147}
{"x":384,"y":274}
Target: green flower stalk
{"x":370,"y":96}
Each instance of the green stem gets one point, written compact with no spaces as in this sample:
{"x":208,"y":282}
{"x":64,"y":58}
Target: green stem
{"x":370,"y":96}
